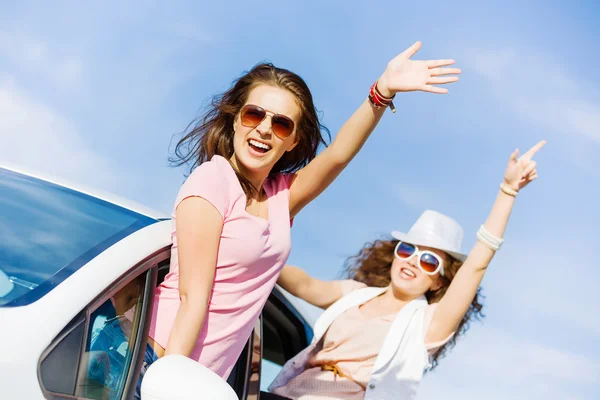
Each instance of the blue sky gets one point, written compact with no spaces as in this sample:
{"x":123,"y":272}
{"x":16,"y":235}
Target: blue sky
{"x":94,"y":93}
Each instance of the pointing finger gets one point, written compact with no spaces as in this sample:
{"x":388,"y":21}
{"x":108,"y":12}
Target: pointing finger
{"x":531,"y":152}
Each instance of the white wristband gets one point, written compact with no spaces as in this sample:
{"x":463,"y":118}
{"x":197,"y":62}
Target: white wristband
{"x":492,"y":242}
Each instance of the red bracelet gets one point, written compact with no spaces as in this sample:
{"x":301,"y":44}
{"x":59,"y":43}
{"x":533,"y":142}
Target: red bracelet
{"x":378,"y":103}
{"x":379,"y":93}
{"x":378,"y":97}
{"x":378,"y":100}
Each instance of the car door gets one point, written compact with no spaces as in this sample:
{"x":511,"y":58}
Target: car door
{"x":280,"y":333}
{"x":285,"y":333}
{"x":98,"y":355}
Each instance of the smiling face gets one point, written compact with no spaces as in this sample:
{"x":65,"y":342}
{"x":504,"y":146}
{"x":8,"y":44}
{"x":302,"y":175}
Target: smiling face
{"x":408,"y":279}
{"x":257,"y":149}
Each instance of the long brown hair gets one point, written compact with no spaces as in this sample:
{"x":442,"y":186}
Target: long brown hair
{"x":212,"y":133}
{"x":372,"y":266}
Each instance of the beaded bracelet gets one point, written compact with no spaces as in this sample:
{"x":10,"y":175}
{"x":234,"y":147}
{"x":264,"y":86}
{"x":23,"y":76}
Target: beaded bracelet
{"x":507,"y":190}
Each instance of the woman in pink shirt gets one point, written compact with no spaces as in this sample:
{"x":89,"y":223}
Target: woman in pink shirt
{"x":256,"y":166}
{"x":408,"y":297}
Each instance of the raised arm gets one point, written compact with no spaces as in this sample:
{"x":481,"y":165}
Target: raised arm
{"x":401,"y":75}
{"x":199,"y":227}
{"x":455,"y":303}
{"x":314,"y":291}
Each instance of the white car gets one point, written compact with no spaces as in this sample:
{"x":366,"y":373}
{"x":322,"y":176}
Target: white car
{"x":73,"y":265}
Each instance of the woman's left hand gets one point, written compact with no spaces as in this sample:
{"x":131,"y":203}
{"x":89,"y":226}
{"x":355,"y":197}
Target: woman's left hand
{"x":405,"y":75}
{"x":520,"y":171}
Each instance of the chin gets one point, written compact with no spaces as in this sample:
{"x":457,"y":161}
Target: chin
{"x":411,"y":288}
{"x":402,"y":285}
{"x":253,"y":164}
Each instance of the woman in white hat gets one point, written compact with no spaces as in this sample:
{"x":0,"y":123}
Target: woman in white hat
{"x":409,"y":298}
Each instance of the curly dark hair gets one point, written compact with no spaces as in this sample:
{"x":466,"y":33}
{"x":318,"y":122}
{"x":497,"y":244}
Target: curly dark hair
{"x":212,"y":133}
{"x":372,"y":266}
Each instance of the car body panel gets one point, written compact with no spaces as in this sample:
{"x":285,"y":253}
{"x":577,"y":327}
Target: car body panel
{"x":33,"y":327}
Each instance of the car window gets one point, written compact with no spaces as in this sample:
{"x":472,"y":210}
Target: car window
{"x":285,"y":334}
{"x":96,"y":355}
{"x":107,"y":357}
{"x":269,"y":371}
{"x":49,"y":232}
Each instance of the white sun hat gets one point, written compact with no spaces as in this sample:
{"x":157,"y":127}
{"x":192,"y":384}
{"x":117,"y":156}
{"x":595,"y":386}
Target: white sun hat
{"x":434,"y":229}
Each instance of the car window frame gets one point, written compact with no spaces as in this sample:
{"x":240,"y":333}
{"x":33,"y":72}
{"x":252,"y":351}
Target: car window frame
{"x":302,"y":327}
{"x":308,"y":329}
{"x":249,"y":364}
{"x":149,"y":266}
{"x":240,"y":378}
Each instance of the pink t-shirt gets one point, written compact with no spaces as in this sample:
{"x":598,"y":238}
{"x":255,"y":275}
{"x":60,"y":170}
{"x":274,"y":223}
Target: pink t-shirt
{"x":252,"y":252}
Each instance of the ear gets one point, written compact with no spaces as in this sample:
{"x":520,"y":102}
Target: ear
{"x":437,"y":283}
{"x":294,"y":144}
{"x":291,"y":146}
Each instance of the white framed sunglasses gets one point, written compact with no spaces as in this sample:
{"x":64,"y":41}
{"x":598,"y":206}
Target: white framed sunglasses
{"x":429,"y":262}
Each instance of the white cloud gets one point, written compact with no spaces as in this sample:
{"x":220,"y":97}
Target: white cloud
{"x":525,"y":362}
{"x":23,"y":49}
{"x":35,"y":136}
{"x":409,"y":196}
{"x":191,"y":31}
{"x":498,"y":365}
{"x":68,"y":73}
{"x":493,"y":65}
{"x":548,"y":284}
{"x":539,"y":90}
{"x":427,"y":196}
{"x":585,"y":118}
{"x":418,"y":198}
{"x":34,"y":55}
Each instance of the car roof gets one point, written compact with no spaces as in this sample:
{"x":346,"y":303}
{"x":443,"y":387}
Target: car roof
{"x":308,"y":312}
{"x":100,"y":194}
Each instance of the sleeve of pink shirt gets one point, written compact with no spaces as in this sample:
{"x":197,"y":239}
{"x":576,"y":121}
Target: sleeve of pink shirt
{"x":209,"y":181}
{"x":283,"y":182}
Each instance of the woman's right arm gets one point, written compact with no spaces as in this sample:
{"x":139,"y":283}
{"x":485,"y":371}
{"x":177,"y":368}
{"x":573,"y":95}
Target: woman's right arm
{"x":199,"y":227}
{"x":314,"y":291}
{"x":463,"y":288}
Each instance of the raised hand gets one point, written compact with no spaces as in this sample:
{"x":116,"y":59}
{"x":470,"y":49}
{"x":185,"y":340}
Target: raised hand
{"x":522,"y":170}
{"x":405,"y":75}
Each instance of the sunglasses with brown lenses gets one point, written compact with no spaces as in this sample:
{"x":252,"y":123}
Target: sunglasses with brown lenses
{"x":252,"y":115}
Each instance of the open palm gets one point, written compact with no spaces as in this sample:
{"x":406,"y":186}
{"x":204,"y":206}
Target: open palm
{"x":405,"y":75}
